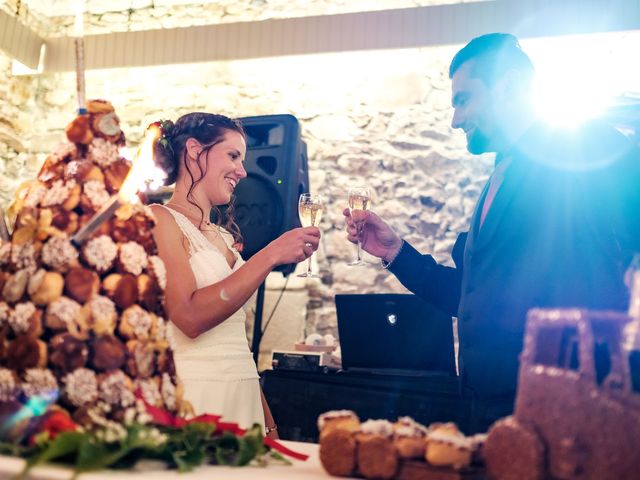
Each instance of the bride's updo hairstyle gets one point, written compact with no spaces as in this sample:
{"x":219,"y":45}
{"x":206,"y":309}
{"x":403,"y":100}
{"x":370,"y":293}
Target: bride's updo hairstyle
{"x":170,"y":154}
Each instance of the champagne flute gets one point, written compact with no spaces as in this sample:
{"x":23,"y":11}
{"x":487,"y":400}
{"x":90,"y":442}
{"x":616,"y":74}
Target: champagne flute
{"x":359,"y":199}
{"x":310,"y":208}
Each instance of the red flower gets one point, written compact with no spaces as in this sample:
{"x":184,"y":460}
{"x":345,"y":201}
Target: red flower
{"x":163,"y":417}
{"x":57,"y":422}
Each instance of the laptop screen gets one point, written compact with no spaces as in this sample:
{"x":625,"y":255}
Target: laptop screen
{"x":394,"y":332}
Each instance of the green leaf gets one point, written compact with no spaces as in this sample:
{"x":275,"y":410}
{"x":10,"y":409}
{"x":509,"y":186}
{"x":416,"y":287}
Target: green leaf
{"x":12,"y":449}
{"x":187,"y":446}
{"x":280,"y":458}
{"x":187,"y":460}
{"x":227,"y":449}
{"x":254,"y":437}
{"x":137,"y":444}
{"x":92,"y":456}
{"x":246,"y":452}
{"x":63,"y":445}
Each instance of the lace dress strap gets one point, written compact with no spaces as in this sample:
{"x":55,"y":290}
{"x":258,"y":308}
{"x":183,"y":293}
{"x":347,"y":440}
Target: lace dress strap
{"x":197,"y":241}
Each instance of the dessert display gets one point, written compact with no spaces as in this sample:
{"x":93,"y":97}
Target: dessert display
{"x":405,"y":449}
{"x":73,"y":315}
{"x":86,"y":352}
{"x":577,"y":415}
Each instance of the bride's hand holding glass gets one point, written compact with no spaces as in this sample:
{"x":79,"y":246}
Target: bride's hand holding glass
{"x":310,"y":208}
{"x":293,"y":246}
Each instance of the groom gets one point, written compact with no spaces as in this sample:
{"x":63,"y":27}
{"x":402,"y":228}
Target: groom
{"x":555,"y":225}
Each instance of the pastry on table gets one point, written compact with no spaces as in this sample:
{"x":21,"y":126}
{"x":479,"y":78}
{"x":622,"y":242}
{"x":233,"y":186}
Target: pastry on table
{"x":136,"y":323}
{"x":100,"y":253}
{"x":337,"y":441}
{"x":338,"y":419}
{"x":40,"y":382}
{"x":150,"y":294}
{"x":67,"y":353}
{"x":62,"y":314}
{"x":15,"y":286}
{"x":64,"y":220}
{"x":409,"y":438}
{"x":164,"y":361}
{"x":58,"y":253}
{"x":25,"y":320}
{"x":150,"y":390}
{"x":80,"y":387}
{"x":376,"y":453}
{"x":107,"y":353}
{"x":115,"y":174}
{"x":132,"y":258}
{"x":62,"y":194}
{"x":94,"y":196}
{"x":126,"y":292}
{"x":24,"y":253}
{"x":101,"y":315}
{"x":141,"y":359}
{"x":45,"y":287}
{"x":9,"y":385}
{"x":158,"y":270}
{"x":116,"y":388}
{"x":26,"y":352}
{"x":79,"y":130}
{"x":55,"y":163}
{"x":448,"y":447}
{"x":81,"y":284}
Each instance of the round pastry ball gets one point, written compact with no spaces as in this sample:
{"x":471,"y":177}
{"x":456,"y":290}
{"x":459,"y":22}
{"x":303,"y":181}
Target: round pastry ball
{"x":26,"y":352}
{"x":67,"y":353}
{"x":81,"y":284}
{"x":107,"y":353}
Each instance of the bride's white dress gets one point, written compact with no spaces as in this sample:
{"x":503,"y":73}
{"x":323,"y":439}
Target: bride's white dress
{"x":217,"y":368}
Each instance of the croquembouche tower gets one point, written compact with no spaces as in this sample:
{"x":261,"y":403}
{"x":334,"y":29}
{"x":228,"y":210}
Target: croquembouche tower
{"x":82,"y":320}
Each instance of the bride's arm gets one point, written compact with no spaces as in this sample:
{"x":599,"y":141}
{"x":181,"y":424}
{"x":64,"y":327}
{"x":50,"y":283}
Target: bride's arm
{"x":195,"y":311}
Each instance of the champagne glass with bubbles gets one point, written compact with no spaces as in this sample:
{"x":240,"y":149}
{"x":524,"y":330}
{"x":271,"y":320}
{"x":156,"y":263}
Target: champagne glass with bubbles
{"x":310,"y":208}
{"x":359,"y":199}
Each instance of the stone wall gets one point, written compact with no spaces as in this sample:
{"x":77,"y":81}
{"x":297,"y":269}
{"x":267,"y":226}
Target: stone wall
{"x":18,"y":100}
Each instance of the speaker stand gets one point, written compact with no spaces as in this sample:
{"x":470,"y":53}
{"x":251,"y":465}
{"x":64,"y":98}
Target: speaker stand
{"x":257,"y":324}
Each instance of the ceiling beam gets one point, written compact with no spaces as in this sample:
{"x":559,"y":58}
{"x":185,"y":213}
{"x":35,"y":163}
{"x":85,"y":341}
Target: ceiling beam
{"x":387,"y":29}
{"x":19,"y":41}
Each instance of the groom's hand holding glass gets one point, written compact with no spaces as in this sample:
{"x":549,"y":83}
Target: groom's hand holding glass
{"x":375,"y":236}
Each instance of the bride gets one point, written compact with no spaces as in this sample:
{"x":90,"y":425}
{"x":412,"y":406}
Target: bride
{"x":208,"y":283}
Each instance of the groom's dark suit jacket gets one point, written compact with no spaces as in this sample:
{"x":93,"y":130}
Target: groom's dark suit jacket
{"x":559,"y":232}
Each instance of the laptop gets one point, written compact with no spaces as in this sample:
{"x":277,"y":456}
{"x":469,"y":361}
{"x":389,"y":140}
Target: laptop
{"x":394,"y":334}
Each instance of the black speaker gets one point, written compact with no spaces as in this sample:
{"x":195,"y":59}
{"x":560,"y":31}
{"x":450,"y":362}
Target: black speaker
{"x":266,"y":202}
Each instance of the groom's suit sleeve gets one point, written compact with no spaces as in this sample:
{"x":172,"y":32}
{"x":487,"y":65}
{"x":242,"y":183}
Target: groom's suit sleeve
{"x":437,"y":284}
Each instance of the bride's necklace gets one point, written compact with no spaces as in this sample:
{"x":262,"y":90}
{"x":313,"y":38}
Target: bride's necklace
{"x":192,"y":216}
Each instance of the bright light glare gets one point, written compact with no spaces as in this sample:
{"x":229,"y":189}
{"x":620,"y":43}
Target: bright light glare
{"x":144,"y":174}
{"x":577,"y":77}
{"x":565,"y":101}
